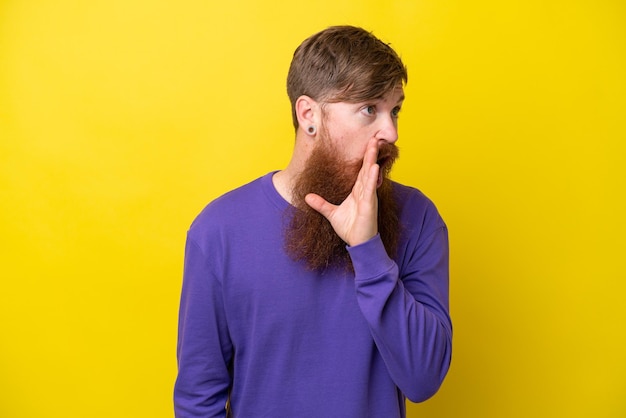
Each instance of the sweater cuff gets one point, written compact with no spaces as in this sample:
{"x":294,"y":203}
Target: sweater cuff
{"x":370,"y":258}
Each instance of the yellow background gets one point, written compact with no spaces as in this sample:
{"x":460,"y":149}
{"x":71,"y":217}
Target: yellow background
{"x":121,"y":119}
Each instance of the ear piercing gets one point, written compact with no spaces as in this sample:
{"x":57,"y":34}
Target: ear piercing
{"x":311,"y":130}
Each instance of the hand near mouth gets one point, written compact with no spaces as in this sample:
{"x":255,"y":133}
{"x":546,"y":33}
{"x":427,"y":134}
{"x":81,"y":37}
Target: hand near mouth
{"x":355,"y":220}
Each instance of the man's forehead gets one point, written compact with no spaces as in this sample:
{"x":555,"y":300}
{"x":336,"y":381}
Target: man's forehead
{"x":396,"y":96}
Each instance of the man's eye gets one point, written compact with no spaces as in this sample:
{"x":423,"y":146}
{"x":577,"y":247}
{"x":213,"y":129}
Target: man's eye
{"x":370,"y":110}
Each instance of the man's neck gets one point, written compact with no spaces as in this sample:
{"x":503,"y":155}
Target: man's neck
{"x":283,"y":180}
{"x":282,"y":184}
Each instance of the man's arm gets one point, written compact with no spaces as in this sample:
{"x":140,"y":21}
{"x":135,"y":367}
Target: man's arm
{"x":409,"y":316}
{"x":204,"y":347}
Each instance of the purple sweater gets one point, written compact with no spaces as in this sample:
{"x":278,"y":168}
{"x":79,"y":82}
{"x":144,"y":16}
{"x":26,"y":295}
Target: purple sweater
{"x":284,"y":342}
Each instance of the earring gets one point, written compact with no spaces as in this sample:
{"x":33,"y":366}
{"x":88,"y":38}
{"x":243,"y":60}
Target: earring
{"x":311,"y":130}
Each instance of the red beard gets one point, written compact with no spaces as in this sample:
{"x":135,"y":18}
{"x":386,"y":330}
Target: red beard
{"x":309,"y":237}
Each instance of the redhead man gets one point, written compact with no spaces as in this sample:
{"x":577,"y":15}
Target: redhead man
{"x":320,"y":290}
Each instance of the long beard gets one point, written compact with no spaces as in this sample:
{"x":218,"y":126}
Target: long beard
{"x":309,"y":236}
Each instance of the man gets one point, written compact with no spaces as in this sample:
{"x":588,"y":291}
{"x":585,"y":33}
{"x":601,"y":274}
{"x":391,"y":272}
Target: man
{"x":320,"y":290}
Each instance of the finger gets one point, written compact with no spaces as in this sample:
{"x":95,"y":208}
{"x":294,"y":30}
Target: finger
{"x":320,"y":204}
{"x":369,"y":161}
{"x":371,"y":153}
{"x":370,"y":169}
{"x":371,"y":183}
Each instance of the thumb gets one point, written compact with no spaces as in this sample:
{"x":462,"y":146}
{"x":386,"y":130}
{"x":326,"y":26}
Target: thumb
{"x":320,"y":204}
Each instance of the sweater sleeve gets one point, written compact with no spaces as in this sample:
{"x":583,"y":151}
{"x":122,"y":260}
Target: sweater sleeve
{"x":204,"y":347}
{"x":408,"y":316}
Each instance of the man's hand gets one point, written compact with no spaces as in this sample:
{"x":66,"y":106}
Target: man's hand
{"x":355,"y":220}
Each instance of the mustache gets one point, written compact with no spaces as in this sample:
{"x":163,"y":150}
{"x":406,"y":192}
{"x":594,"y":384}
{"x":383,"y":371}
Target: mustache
{"x":387,"y":155}
{"x":387,"y":150}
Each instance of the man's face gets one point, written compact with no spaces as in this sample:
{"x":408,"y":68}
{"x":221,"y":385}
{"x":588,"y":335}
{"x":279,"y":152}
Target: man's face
{"x":348,"y":127}
{"x":331,"y":171}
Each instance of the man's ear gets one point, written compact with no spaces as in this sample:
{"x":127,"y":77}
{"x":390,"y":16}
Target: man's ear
{"x":307,"y":112}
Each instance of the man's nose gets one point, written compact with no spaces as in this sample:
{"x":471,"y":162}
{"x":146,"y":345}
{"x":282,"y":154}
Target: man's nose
{"x":388,"y":131}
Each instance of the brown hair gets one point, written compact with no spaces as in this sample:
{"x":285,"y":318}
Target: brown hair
{"x":343,"y":63}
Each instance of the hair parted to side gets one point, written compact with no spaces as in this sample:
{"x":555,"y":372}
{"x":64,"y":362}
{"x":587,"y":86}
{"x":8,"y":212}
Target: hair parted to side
{"x":343,"y":64}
